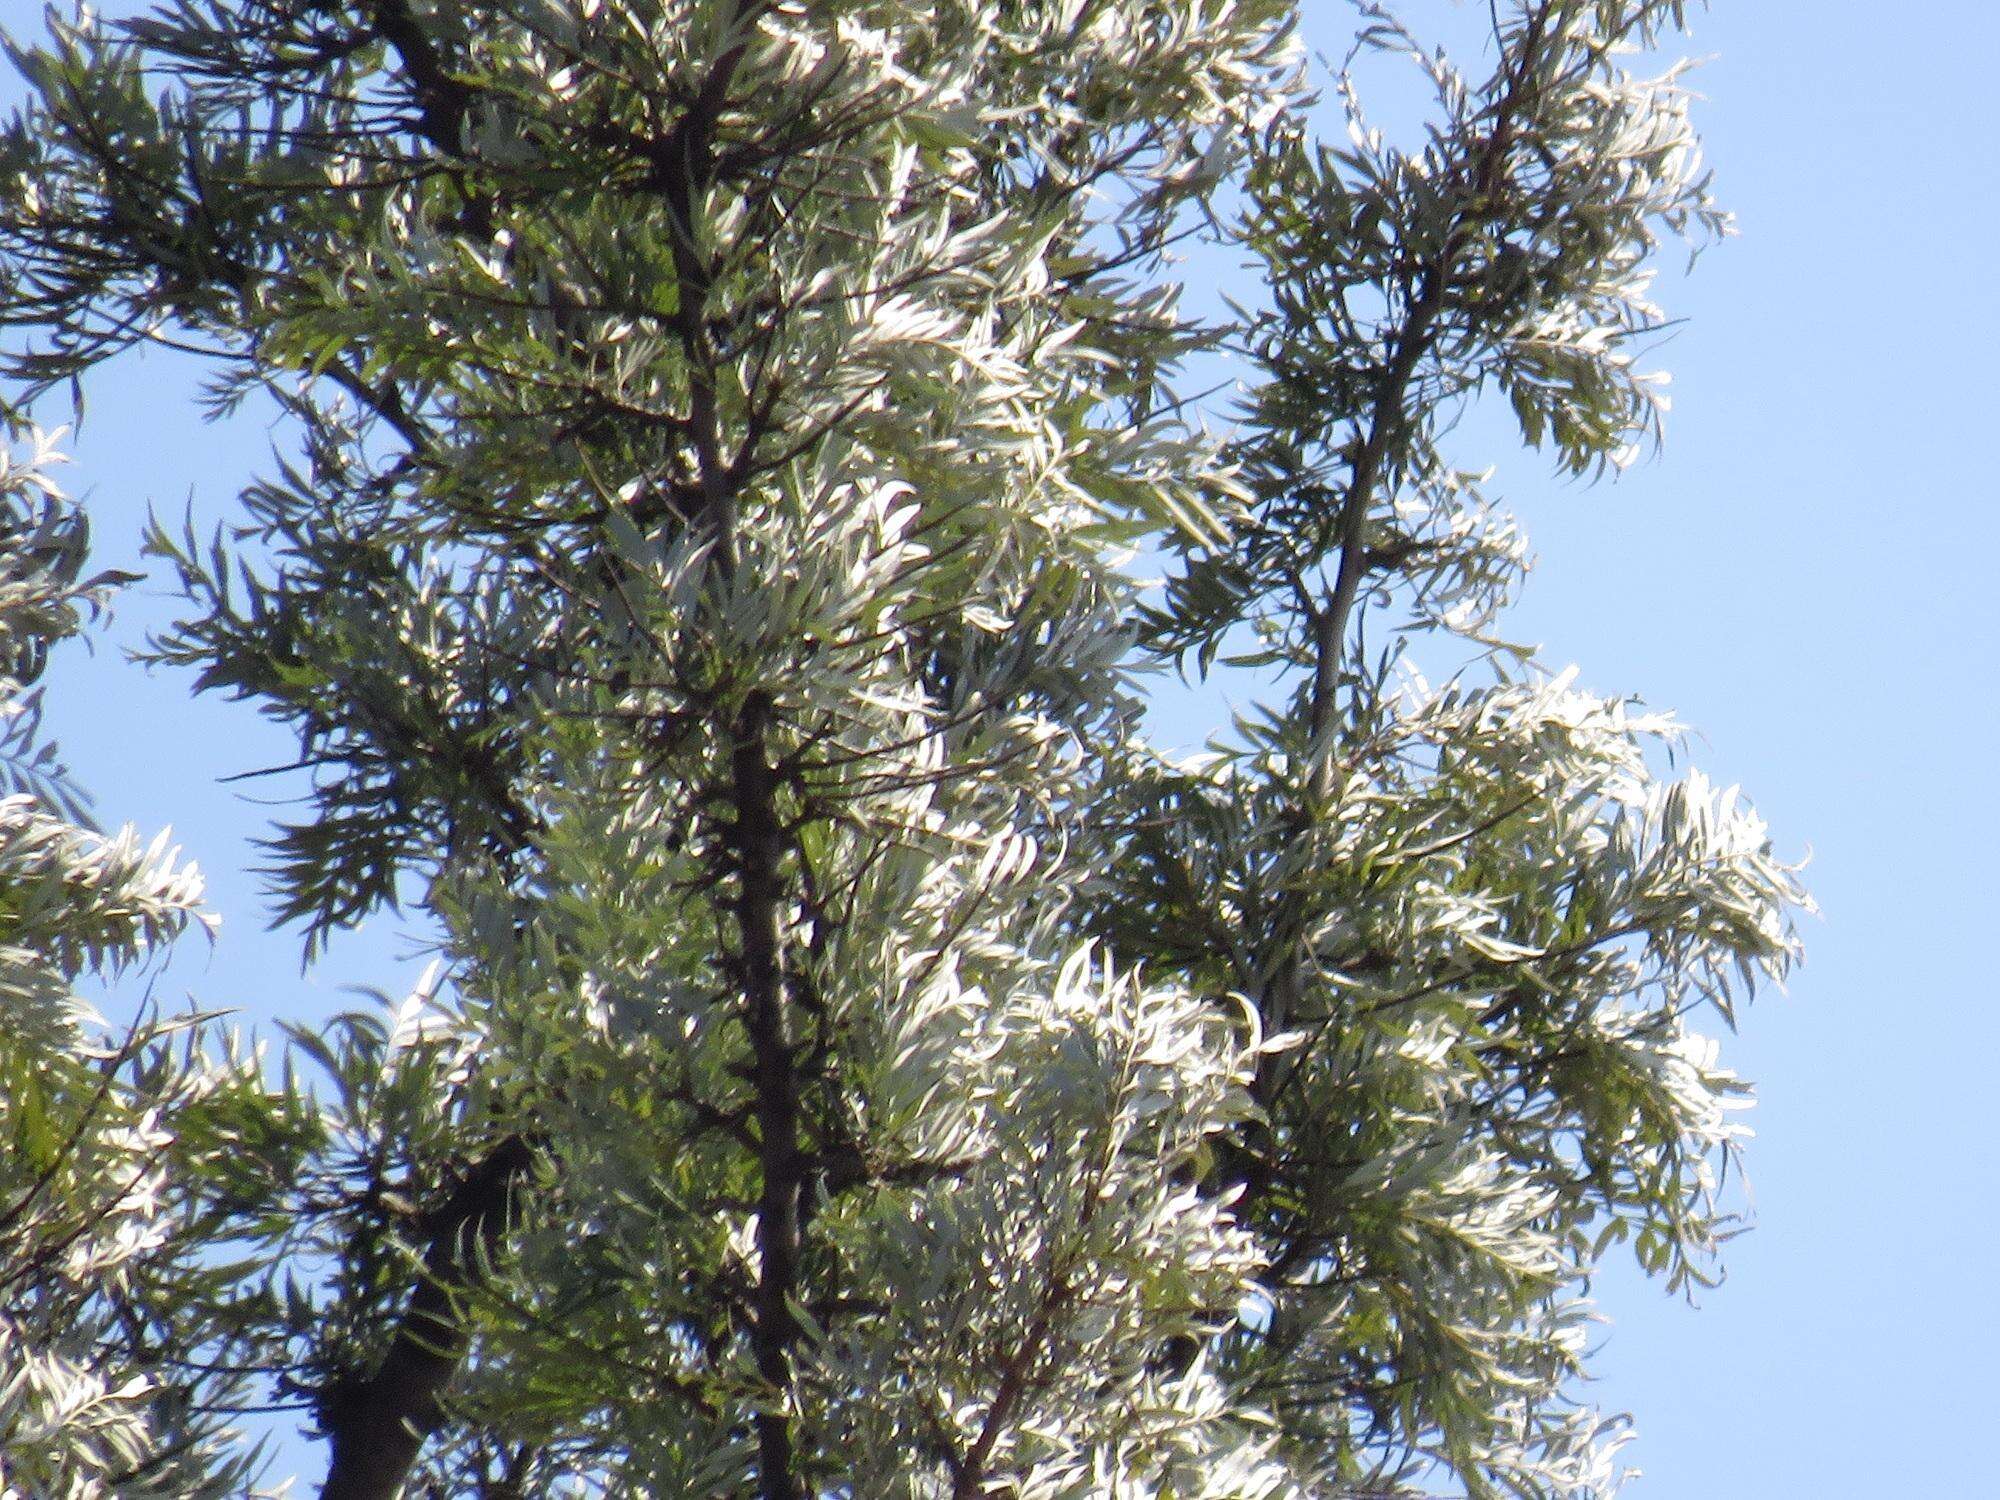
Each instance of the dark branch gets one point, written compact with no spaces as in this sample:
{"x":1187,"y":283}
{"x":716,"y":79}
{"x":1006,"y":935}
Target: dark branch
{"x":379,"y":1424}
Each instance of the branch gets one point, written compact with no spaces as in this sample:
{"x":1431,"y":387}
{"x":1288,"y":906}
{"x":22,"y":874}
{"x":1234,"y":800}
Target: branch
{"x":758,"y":851}
{"x":681,"y":169}
{"x":1255,"y":1165}
{"x":1387,"y":421}
{"x":379,"y":1424}
{"x":442,"y":100}
{"x":969,"y":1475}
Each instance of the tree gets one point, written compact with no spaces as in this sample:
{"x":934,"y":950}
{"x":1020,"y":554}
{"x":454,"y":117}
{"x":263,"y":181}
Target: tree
{"x":858,"y":1062}
{"x":91,"y":1206}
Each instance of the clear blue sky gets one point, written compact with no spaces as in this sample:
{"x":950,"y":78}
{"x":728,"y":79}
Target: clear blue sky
{"x":1806,"y":576}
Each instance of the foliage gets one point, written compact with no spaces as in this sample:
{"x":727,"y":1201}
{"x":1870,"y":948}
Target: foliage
{"x":91,"y":1402}
{"x":858,"y":1062}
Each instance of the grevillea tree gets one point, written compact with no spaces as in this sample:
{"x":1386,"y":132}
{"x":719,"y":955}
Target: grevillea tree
{"x":725,"y":436}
